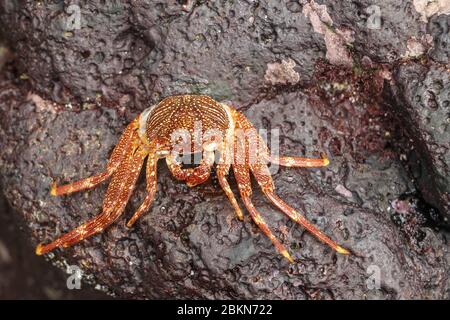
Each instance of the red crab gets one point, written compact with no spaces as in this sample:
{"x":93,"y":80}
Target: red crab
{"x":160,"y":132}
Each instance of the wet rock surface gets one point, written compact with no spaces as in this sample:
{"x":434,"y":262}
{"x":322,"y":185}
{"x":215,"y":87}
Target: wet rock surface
{"x":141,"y":51}
{"x":191,"y":245}
{"x":382,"y":28}
{"x":423,"y":95}
{"x":25,"y":276}
{"x":70,"y":93}
{"x":439,"y":27}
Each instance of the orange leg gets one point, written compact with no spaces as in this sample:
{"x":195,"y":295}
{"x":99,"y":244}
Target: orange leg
{"x":243,"y":181}
{"x":222,"y":172}
{"x":264,"y":179}
{"x":151,"y":189}
{"x":300,"y":219}
{"x":192,"y":176}
{"x":241,"y":157}
{"x":243,"y":123}
{"x":117,"y":196}
{"x":122,"y":148}
{"x":300,"y":162}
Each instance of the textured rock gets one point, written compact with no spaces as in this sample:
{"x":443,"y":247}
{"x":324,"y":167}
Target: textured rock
{"x":423,"y":95}
{"x":144,"y":50}
{"x":382,"y":28}
{"x":439,"y":28}
{"x":336,"y":40}
{"x":281,"y":73}
{"x":191,"y":245}
{"x":25,"y":276}
{"x":431,"y":8}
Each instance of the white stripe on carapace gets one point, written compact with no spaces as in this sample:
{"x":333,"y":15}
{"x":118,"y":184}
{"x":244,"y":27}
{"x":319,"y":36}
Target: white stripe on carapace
{"x":143,"y":123}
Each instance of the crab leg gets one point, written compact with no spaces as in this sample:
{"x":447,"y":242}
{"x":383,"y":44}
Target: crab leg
{"x":117,"y":196}
{"x":241,"y":152}
{"x":253,"y":137}
{"x":300,"y":162}
{"x":222,"y":172}
{"x":122,"y":148}
{"x":151,"y":189}
{"x":300,"y":219}
{"x":243,"y":181}
{"x":264,"y":179}
{"x":222,"y":169}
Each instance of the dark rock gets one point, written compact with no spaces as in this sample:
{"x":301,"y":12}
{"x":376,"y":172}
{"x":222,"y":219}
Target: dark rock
{"x":386,"y":42}
{"x":423,"y":97}
{"x":26,"y":276}
{"x":439,"y":28}
{"x":145,"y":50}
{"x":412,"y":213}
{"x":190,"y":244}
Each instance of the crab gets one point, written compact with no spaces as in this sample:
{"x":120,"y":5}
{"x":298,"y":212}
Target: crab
{"x":166,"y":130}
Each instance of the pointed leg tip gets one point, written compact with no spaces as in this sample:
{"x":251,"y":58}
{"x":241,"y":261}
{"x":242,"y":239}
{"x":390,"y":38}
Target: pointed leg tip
{"x":287,"y":256}
{"x":39,"y":249}
{"x":341,"y":250}
{"x":325,"y":159}
{"x":130,"y":223}
{"x":53,"y":190}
